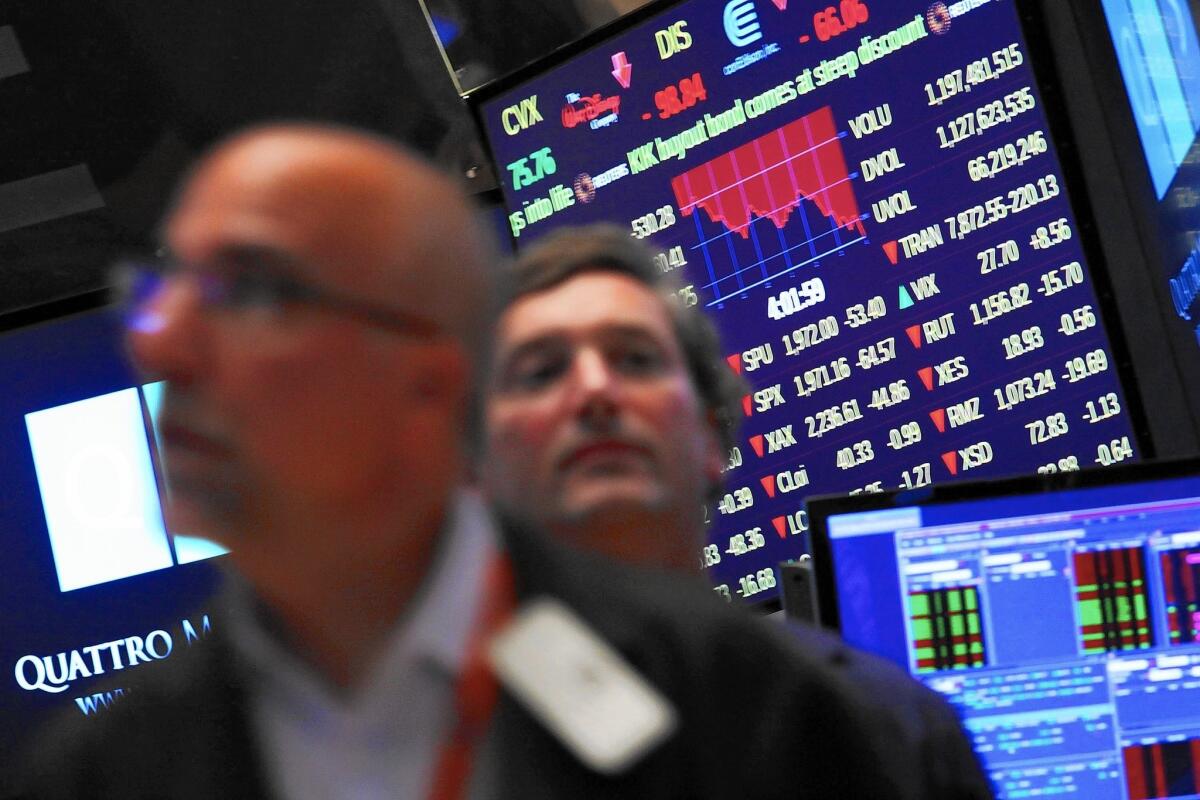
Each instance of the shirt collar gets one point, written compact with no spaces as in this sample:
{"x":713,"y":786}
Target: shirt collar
{"x":440,"y":626}
{"x":434,"y":630}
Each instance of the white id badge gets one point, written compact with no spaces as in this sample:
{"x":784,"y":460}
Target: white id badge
{"x":579,"y":687}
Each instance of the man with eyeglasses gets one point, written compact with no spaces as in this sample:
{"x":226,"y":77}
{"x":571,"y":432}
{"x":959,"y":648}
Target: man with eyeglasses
{"x":318,"y":316}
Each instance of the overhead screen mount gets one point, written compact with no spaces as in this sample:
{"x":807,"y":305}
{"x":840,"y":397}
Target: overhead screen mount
{"x":868,"y":199}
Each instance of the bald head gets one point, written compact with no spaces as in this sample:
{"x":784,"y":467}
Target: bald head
{"x":317,"y":336}
{"x":389,"y":226}
{"x":321,"y":336}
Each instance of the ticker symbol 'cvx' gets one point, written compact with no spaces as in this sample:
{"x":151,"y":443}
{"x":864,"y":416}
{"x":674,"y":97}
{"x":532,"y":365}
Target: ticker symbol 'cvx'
{"x":741,"y":23}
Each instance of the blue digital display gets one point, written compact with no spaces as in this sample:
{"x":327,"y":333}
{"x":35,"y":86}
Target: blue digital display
{"x":1064,"y":626}
{"x":94,"y":585}
{"x":866,"y":197}
{"x":1159,"y":56}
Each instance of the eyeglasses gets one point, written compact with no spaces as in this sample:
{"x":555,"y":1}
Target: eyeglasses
{"x":254,"y":286}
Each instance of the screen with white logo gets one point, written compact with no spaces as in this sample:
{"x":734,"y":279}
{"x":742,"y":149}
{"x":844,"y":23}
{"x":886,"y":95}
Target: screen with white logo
{"x":95,"y":585}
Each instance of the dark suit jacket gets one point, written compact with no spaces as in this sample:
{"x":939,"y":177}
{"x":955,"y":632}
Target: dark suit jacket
{"x":760,"y":717}
{"x":918,"y":721}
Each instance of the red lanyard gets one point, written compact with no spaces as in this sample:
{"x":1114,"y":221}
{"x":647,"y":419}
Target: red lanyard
{"x":477,"y":690}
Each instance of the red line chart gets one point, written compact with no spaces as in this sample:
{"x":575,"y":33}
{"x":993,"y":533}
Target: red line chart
{"x":770,"y":178}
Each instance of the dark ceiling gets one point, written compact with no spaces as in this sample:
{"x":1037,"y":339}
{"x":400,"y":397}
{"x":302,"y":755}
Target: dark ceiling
{"x":105,"y":104}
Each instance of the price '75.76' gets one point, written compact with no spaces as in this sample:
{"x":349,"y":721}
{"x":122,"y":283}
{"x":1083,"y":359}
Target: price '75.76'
{"x":532,"y":168}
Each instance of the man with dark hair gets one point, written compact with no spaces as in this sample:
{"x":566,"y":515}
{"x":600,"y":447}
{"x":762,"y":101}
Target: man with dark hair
{"x":608,"y":415}
{"x":586,"y":306}
{"x":602,"y":248}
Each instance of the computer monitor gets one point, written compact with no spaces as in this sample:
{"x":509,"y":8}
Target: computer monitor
{"x":875,"y":204}
{"x":94,"y":586}
{"x":1060,"y":614}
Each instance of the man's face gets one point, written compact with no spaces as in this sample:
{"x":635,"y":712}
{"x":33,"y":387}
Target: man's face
{"x":591,"y":408}
{"x":264,"y":410}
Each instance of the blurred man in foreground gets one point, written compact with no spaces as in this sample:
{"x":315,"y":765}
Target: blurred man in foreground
{"x":317,"y":330}
{"x":609,"y":415}
{"x":318,"y":324}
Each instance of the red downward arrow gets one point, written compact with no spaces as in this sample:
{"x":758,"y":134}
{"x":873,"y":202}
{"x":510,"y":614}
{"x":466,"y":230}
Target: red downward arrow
{"x":780,"y":524}
{"x":746,"y":405}
{"x":780,"y":4}
{"x":756,"y":443}
{"x":889,"y":250}
{"x":768,"y":483}
{"x":621,"y":69}
{"x":926,"y":376}
{"x":914,"y":335}
{"x":735,"y":362}
{"x":951,"y":461}
{"x":939,"y":419}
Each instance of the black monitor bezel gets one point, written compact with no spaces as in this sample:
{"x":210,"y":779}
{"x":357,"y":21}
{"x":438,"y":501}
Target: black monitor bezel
{"x":1054,"y":106}
{"x":1106,"y":119}
{"x":53,"y":310}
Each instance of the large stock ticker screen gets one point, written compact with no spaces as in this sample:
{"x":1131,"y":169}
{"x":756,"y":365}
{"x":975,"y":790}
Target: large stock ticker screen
{"x":867,"y":199}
